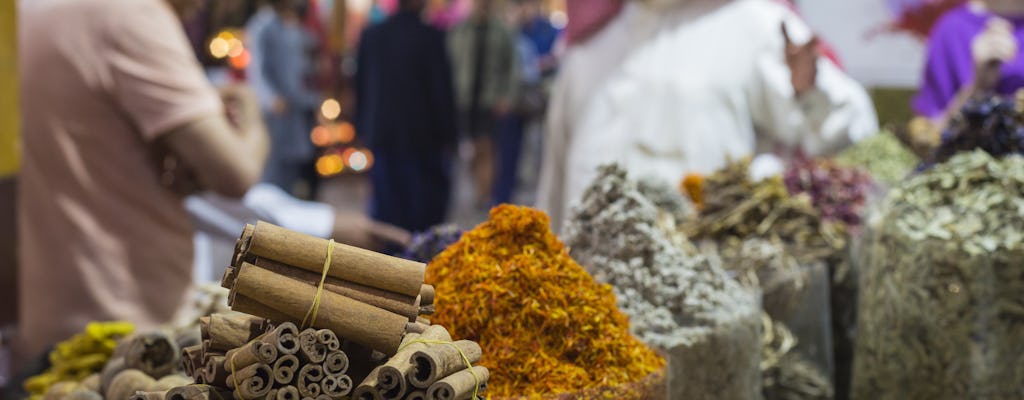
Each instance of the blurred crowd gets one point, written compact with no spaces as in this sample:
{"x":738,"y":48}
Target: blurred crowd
{"x":149,"y":125}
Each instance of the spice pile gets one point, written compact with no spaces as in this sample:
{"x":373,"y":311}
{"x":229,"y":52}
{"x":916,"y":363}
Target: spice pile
{"x":75,"y":363}
{"x":546,"y":327}
{"x":668,"y":199}
{"x":772,"y":241}
{"x":883,"y":156}
{"x":941,"y":311}
{"x":839,"y":193}
{"x":427,"y":245}
{"x":760,"y":230}
{"x":677,"y":300}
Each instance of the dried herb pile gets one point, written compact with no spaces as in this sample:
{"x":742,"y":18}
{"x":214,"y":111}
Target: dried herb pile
{"x":941,"y":311}
{"x":839,"y":193}
{"x":546,"y":327}
{"x":990,"y":123}
{"x":770,"y":240}
{"x":427,"y":245}
{"x":677,"y":299}
{"x":882,"y":155}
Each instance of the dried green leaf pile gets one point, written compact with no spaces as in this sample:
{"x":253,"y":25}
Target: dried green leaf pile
{"x":942,"y":310}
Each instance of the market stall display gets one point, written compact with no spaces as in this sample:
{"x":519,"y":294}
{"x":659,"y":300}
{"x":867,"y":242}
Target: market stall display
{"x":773,"y":241}
{"x":678,"y":301}
{"x":941,"y":309}
{"x":545,"y":326}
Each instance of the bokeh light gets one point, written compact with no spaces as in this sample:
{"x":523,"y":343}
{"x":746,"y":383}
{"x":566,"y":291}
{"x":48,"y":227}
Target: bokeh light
{"x":219,"y":47}
{"x":235,"y":47}
{"x":559,"y":19}
{"x":329,"y":164}
{"x":321,"y":136}
{"x":330,"y":109}
{"x":241,"y":61}
{"x":358,"y":161}
{"x":345,"y":133}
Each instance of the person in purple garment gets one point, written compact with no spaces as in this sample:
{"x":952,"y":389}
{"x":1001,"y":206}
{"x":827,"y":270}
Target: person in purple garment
{"x":973,"y":49}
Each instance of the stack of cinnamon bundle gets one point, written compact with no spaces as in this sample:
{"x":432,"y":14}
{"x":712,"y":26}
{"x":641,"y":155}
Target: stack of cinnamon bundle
{"x":365,"y":297}
{"x":428,"y":366}
{"x":243,"y":355}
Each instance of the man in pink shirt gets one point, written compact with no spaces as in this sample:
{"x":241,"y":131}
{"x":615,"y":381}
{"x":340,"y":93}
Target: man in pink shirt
{"x":110,"y":90}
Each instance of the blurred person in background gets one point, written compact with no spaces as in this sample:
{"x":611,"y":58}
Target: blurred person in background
{"x":527,"y":105}
{"x":672,"y":87}
{"x":485,"y":67}
{"x":285,"y":65}
{"x":116,"y":114}
{"x":537,"y":28}
{"x":405,"y":112}
{"x":973,"y":49}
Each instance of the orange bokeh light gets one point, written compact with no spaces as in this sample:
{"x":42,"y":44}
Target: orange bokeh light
{"x":345,"y":133}
{"x":320,"y":136}
{"x":241,"y":61}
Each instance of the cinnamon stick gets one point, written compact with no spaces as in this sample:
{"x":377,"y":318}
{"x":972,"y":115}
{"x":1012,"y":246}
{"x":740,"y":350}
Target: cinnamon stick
{"x":392,"y":374}
{"x":254,"y":381}
{"x":228,"y":331}
{"x":397,"y":303}
{"x":416,"y":395}
{"x":461,"y":385}
{"x":251,"y":353}
{"x":271,"y":395}
{"x":285,"y":369}
{"x":191,"y":357}
{"x":245,"y":304}
{"x":426,"y":295}
{"x":285,"y":337}
{"x":422,"y":320}
{"x":365,"y":324}
{"x":415,"y":327}
{"x":170,"y":382}
{"x":336,"y":386}
{"x":214,"y":372}
{"x":435,"y":362}
{"x":151,"y":395}
{"x":126,"y":383}
{"x":154,"y":353}
{"x":347,"y":263}
{"x":198,"y":392}
{"x":309,"y":379}
{"x":329,"y":339}
{"x":310,"y":348}
{"x":336,"y":363}
{"x":288,"y":392}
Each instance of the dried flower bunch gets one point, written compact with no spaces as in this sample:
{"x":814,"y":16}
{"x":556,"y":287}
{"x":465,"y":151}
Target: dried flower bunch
{"x":941,"y":311}
{"x":545,"y":326}
{"x":839,"y":193}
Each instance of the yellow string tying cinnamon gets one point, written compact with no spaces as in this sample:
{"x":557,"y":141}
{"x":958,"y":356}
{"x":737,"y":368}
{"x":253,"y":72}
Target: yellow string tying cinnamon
{"x":465,"y":358}
{"x":315,"y":307}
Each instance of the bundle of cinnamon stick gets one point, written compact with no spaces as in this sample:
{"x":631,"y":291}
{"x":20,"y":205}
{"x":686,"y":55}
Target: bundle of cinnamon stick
{"x":364,"y":297}
{"x":251,"y":359}
{"x":428,"y":366}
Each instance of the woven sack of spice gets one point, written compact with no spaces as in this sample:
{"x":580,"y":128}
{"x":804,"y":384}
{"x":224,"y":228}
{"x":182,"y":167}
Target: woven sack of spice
{"x":941,"y":314}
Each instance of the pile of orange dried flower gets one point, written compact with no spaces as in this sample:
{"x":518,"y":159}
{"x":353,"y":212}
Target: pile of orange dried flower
{"x":546,"y":327}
